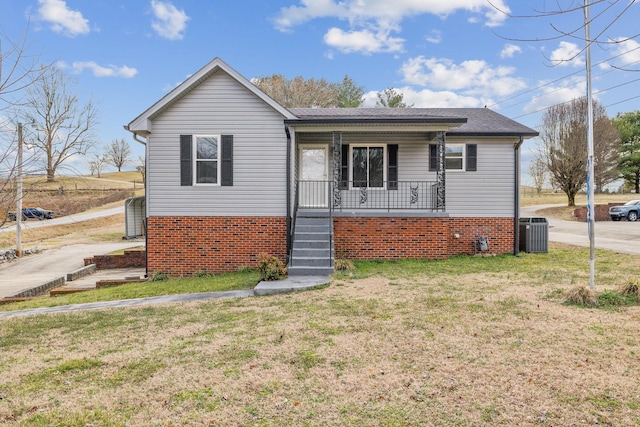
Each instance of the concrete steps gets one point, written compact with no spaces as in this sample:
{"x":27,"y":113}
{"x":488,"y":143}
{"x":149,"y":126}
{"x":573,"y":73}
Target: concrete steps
{"x":312,"y":253}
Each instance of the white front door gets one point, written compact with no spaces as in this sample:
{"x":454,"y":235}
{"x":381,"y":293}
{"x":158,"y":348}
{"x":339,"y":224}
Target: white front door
{"x":313,"y":187}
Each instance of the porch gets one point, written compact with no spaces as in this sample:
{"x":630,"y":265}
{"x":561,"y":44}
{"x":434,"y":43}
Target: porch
{"x":382,"y":196}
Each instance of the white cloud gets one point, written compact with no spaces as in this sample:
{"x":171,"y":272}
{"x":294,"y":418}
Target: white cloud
{"x":365,"y":41}
{"x":434,"y":37}
{"x":62,"y":19}
{"x":551,"y":95}
{"x":430,"y":99}
{"x":471,"y":77}
{"x":169,"y":22}
{"x":628,"y":52}
{"x":509,"y":50}
{"x":566,"y":54}
{"x":369,"y":19}
{"x":99,"y":70}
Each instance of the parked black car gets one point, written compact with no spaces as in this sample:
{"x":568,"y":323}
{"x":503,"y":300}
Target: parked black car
{"x":630,"y":210}
{"x":38,"y":213}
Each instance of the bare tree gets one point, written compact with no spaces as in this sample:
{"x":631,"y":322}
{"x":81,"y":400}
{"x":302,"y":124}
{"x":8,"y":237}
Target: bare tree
{"x":97,"y":164}
{"x":538,"y":173}
{"x":141,"y":167}
{"x":117,"y":153}
{"x":299,"y":93}
{"x":65,"y":128}
{"x":391,"y":98}
{"x":18,"y":70}
{"x":563,"y":133}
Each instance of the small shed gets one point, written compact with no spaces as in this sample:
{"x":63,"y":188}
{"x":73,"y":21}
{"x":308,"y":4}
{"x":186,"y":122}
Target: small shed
{"x":134,"y":217}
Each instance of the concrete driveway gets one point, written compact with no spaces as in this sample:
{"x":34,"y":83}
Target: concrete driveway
{"x":620,"y":236}
{"x":33,"y":270}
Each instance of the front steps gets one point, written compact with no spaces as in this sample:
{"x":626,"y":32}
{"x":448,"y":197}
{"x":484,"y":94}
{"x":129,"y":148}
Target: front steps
{"x":312,"y":253}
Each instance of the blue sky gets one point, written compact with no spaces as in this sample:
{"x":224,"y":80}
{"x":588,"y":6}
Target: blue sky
{"x":126,"y":55}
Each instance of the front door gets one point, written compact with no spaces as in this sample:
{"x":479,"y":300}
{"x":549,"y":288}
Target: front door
{"x":313,"y":184}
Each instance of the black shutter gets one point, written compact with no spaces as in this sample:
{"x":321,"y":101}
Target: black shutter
{"x":344,"y":169}
{"x":392,"y":167}
{"x":472,"y":157}
{"x":186,"y":168}
{"x":433,"y":157}
{"x":227,"y":161}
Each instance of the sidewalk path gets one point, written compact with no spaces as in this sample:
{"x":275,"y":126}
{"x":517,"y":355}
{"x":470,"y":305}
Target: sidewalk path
{"x":290,"y":284}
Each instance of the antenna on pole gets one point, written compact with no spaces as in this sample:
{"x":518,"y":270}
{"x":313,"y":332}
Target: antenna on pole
{"x":590,"y":169}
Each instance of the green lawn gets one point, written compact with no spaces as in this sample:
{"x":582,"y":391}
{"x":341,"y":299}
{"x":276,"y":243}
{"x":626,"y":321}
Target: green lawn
{"x":468,"y":341}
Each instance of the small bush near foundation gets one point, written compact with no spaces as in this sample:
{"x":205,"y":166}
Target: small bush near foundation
{"x":581,"y":295}
{"x":158,"y":276}
{"x":344,"y":265}
{"x":202,"y":273}
{"x":270,"y":267}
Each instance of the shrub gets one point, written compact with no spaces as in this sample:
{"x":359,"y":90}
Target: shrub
{"x":581,"y":295}
{"x":342,"y":264}
{"x":158,"y":276}
{"x":270,"y":267}
{"x":202,"y":273}
{"x":630,"y":289}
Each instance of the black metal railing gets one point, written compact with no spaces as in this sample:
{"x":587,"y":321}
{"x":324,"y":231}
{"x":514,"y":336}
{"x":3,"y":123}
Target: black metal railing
{"x":395,"y":195}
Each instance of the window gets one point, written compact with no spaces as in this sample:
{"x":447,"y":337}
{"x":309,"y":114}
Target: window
{"x":213,"y":162}
{"x":207,"y":149}
{"x":454,"y":157}
{"x":368,"y":166}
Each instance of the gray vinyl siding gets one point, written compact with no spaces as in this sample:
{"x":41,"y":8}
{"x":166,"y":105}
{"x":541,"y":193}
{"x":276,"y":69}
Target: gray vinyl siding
{"x":488,"y":192}
{"x":413,"y":150}
{"x":219,"y":106}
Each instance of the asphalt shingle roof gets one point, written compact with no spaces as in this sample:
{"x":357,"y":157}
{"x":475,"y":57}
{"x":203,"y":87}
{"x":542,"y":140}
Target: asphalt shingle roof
{"x":478,"y":120}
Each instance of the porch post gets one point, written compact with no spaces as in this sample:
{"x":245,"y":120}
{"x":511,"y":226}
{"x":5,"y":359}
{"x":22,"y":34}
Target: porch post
{"x":336,"y":148}
{"x":440,"y":174}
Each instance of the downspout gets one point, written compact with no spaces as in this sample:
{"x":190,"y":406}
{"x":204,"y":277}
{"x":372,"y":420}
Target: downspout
{"x":146,"y":246}
{"x":288,"y":190}
{"x":516,"y":198}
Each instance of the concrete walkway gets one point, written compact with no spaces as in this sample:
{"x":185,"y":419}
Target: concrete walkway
{"x":290,"y":284}
{"x":33,"y":270}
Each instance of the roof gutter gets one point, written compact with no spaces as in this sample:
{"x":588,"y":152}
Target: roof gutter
{"x":135,"y":135}
{"x":516,"y":198}
{"x":377,"y":120}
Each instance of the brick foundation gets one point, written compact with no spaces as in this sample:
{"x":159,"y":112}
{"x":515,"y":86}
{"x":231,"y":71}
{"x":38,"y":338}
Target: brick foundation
{"x":393,"y":238}
{"x":181,"y":246}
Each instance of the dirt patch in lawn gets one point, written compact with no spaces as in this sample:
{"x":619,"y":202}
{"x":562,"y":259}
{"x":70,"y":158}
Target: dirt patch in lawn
{"x":434,"y":349}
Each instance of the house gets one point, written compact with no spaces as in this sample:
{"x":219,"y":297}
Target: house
{"x":231,"y":174}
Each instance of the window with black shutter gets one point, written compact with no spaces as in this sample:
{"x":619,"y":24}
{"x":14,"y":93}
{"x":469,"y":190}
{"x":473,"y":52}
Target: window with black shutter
{"x":206,"y":159}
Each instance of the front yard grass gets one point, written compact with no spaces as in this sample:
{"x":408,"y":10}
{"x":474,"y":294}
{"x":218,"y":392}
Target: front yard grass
{"x":459,"y":342}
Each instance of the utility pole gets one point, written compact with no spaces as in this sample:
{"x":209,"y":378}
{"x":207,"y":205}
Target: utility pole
{"x":591,"y":216}
{"x":19,"y":195}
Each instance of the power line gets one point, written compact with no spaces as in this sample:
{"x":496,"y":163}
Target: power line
{"x":595,"y":93}
{"x":562,"y":78}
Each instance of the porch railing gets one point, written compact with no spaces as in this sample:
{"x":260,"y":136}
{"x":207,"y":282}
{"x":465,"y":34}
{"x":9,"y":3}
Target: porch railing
{"x":353,"y":195}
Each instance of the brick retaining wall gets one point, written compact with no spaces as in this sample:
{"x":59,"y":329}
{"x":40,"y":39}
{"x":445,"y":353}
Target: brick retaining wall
{"x":130,"y":259}
{"x":602,"y":212}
